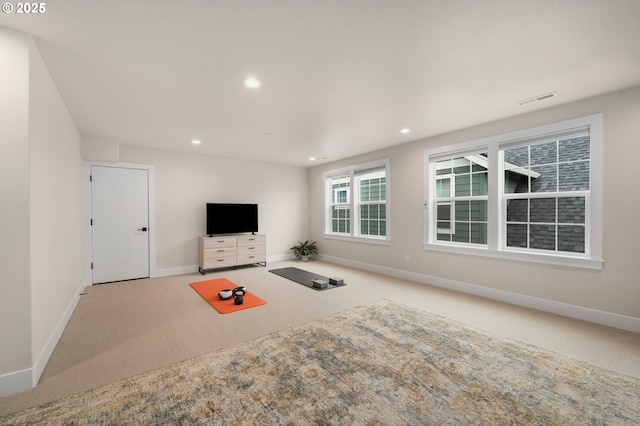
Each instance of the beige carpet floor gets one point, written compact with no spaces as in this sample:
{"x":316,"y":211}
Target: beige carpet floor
{"x":123,"y":329}
{"x":377,"y":364}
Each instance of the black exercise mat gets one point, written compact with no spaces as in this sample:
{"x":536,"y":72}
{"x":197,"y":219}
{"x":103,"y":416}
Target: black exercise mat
{"x":303,"y":277}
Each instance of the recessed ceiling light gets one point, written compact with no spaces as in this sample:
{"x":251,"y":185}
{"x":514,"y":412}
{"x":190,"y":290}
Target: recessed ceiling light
{"x":405,"y":130}
{"x":317,"y":158}
{"x":195,"y":142}
{"x":252,"y":83}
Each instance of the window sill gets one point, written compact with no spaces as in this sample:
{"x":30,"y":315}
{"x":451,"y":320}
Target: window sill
{"x":548,"y":259}
{"x":379,"y":241}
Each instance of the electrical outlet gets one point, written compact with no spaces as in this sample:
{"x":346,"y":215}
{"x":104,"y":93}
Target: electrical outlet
{"x":406,"y":258}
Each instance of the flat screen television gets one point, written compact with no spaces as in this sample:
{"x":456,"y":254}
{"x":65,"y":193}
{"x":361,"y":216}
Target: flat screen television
{"x":225,"y":218}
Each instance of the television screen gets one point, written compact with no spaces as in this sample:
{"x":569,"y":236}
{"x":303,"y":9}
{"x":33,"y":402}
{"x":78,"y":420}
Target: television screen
{"x":231,"y":218}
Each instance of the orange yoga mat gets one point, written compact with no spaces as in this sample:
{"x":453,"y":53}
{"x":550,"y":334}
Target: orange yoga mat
{"x":209,"y":292}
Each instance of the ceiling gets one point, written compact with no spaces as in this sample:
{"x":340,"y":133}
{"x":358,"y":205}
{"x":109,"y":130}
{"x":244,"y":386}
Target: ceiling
{"x":339,"y":77}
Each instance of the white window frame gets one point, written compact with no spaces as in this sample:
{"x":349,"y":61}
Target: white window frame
{"x":337,"y":197}
{"x":496,"y":227}
{"x":354,"y":203}
{"x":452,"y":204}
{"x":334,"y":201}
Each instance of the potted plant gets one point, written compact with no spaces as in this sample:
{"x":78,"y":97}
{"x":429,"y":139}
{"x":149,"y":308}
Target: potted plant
{"x":304,"y":250}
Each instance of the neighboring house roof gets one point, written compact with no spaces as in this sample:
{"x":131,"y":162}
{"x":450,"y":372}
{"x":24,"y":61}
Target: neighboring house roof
{"x":482,"y":161}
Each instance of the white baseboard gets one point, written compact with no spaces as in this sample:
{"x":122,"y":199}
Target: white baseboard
{"x":166,"y":272}
{"x":280,"y":257}
{"x":16,"y":381}
{"x":180,"y":270}
{"x":47,"y":350}
{"x":20,"y":381}
{"x":564,"y":309}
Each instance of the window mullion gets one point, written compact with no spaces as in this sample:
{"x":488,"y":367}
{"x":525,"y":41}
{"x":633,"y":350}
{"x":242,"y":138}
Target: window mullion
{"x":495,"y":208}
{"x":430,"y":201}
{"x":353,"y":204}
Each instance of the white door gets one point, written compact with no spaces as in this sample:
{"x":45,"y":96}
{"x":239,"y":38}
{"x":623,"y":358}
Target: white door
{"x":119,"y":223}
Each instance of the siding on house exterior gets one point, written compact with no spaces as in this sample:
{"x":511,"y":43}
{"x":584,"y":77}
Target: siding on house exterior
{"x":549,"y":223}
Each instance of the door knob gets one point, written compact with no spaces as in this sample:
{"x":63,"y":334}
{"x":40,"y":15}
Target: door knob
{"x":142,"y":229}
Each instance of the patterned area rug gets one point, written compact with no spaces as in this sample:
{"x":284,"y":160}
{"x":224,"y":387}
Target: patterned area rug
{"x":378,"y":364}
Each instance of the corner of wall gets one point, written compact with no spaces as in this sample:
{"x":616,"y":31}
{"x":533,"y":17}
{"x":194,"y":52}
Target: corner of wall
{"x":100,"y":149}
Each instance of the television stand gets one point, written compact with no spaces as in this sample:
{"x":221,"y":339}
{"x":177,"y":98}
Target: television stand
{"x":224,"y":251}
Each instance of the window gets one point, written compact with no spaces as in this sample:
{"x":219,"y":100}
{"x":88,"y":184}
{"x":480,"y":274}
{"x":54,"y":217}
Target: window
{"x":340,"y":206}
{"x":531,"y":195}
{"x":461,"y":199}
{"x":546,"y":207}
{"x":356,"y":202}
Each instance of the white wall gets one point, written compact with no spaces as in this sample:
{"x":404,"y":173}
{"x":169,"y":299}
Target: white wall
{"x":614,"y":290}
{"x":186,"y":182}
{"x":57,"y":211}
{"x":100,"y":149}
{"x":15,"y":309}
{"x":41,"y":248}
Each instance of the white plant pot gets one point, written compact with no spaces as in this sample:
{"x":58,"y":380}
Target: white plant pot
{"x":304,"y":258}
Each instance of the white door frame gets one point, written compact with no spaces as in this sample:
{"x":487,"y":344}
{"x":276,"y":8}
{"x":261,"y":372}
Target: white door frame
{"x":152,"y":213}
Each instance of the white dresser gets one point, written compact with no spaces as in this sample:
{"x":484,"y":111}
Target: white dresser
{"x":224,"y":251}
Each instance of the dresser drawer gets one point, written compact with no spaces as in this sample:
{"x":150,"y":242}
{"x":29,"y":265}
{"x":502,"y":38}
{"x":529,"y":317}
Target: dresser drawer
{"x":242,"y":250}
{"x":213,"y":253}
{"x":219,"y":262}
{"x":215,"y":242}
{"x":251,"y":239}
{"x":245,"y":259}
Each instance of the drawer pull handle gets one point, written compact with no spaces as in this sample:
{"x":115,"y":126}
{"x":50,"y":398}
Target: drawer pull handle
{"x":220,"y":251}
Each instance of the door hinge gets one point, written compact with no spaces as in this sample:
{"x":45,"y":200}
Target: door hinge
{"x":91,"y":265}
{"x":90,"y":222}
{"x":90,"y":178}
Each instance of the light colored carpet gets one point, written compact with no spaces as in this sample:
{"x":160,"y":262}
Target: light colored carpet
{"x":124,"y":329}
{"x":382,"y":363}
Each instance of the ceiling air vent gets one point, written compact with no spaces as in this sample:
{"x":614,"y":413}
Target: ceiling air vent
{"x":537,"y":98}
